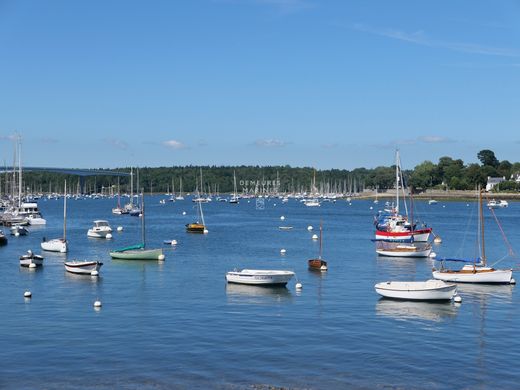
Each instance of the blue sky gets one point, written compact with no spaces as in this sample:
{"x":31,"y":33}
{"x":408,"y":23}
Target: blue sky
{"x":329,"y":84}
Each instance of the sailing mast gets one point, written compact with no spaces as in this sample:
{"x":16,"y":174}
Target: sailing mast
{"x":65,"y":212}
{"x":481,"y":212}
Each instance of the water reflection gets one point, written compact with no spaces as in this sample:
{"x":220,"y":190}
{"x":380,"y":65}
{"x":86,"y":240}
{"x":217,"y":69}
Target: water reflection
{"x":482,"y":292}
{"x":410,"y":310}
{"x":242,"y":293}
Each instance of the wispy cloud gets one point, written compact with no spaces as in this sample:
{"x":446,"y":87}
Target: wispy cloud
{"x":270,"y":143}
{"x":330,"y":146}
{"x":116,"y":143}
{"x":12,"y":137}
{"x":174,"y":144}
{"x":420,"y":38}
{"x":427,"y":139}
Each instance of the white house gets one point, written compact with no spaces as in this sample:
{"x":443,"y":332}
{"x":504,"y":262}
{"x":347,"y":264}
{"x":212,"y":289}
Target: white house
{"x":493,"y":181}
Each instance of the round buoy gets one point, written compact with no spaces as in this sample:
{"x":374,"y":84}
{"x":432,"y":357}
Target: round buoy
{"x":206,"y":231}
{"x":97,"y":304}
{"x":457,"y":298}
{"x":444,"y":206}
{"x":274,"y":205}
{"x":282,"y":218}
{"x":108,"y":236}
{"x":27,"y":294}
{"x":17,"y":234}
{"x":309,"y":228}
{"x":371,"y":208}
{"x":282,"y":251}
{"x":298,"y":286}
{"x":94,"y":273}
{"x":140,"y":214}
{"x":512,"y":281}
{"x":467,"y":204}
{"x":161,"y":257}
{"x":433,"y":255}
{"x":119,"y":228}
{"x":32,"y":265}
{"x":184,"y":213}
{"x":350,"y":204}
{"x":314,"y":236}
{"x":437,"y":240}
{"x":174,"y":242}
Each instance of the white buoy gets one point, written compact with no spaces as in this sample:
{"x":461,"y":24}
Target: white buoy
{"x":282,"y":218}
{"x":184,"y":213}
{"x":433,"y":255}
{"x":97,"y":304}
{"x":108,"y":236}
{"x":119,"y":228}
{"x":467,"y":204}
{"x":371,"y":208}
{"x":282,"y":251}
{"x":444,"y":206}
{"x":140,"y":214}
{"x":314,"y":236}
{"x":512,"y":281}
{"x":298,"y":286}
{"x":94,"y":273}
{"x":206,"y":231}
{"x":274,"y":205}
{"x":174,"y":242}
{"x":457,"y":298}
{"x":350,"y":204}
{"x":161,"y":257}
{"x":17,"y":234}
{"x":27,"y":294}
{"x":309,"y":228}
{"x":32,"y":265}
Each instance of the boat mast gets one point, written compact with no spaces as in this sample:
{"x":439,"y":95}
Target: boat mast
{"x":65,"y":212}
{"x":397,"y":181}
{"x":19,"y":146}
{"x":143,"y":220}
{"x":131,"y":186}
{"x":481,"y":212}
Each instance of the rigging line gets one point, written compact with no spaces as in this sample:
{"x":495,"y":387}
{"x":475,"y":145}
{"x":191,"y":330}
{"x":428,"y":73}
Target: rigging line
{"x":508,"y":244}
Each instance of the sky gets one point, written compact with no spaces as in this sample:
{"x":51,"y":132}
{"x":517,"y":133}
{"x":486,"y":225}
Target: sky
{"x":320,"y":83}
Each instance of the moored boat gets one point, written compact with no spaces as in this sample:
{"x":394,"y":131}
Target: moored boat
{"x":83,"y":267}
{"x":101,"y":229}
{"x":31,"y":258}
{"x":260,"y":277}
{"x":393,"y":249}
{"x":430,"y":290}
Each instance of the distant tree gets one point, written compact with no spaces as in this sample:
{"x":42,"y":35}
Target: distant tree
{"x":423,"y":175}
{"x":504,"y":169}
{"x":487,"y":157}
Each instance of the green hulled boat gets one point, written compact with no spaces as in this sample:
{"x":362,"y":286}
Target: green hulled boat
{"x":139,"y":251}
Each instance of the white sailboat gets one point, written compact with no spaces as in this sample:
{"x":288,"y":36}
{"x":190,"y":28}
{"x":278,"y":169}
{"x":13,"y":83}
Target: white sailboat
{"x":234,"y":199}
{"x":180,"y":197}
{"x":478,"y":271}
{"x":59,"y":244}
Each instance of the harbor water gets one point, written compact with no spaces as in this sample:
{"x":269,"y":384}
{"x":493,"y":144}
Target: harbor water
{"x":177,"y":324}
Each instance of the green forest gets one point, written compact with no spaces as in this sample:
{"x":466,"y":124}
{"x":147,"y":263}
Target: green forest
{"x":446,"y":174}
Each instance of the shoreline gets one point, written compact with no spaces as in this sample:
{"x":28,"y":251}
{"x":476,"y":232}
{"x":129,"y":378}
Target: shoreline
{"x":444,"y":195}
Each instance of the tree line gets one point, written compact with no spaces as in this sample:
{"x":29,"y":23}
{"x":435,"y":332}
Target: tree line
{"x":446,"y":174}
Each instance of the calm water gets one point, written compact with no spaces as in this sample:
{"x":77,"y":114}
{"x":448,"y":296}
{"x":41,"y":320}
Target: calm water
{"x":177,"y":324}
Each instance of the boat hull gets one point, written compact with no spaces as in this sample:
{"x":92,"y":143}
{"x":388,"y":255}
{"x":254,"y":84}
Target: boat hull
{"x":421,"y":235}
{"x":82,"y":267}
{"x":55,"y":245}
{"x":259,"y":277}
{"x":137,"y":254}
{"x":431,"y":290}
{"x":481,"y":275}
{"x":393,"y":250}
{"x":317,"y":265}
{"x":27,"y":260}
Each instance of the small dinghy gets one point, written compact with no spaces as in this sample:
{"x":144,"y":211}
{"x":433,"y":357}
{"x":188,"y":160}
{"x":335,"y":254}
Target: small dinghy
{"x":19,"y":230}
{"x":259,"y":277}
{"x":83,"y":267}
{"x":30,"y":258}
{"x":430,"y":290}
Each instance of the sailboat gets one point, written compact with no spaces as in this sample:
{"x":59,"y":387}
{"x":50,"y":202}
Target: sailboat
{"x":200,"y":225}
{"x":139,"y":251}
{"x":234,"y":198}
{"x":59,"y":244}
{"x":180,"y":197}
{"x":391,"y":225}
{"x":318,"y":264}
{"x":118,"y":209}
{"x":479,"y":271}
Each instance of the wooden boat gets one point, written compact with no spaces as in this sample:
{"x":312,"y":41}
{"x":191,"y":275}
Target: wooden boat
{"x":318,"y":264}
{"x":259,"y":277}
{"x":31,"y":258}
{"x":139,"y":251}
{"x":394,"y":249}
{"x":83,"y":267}
{"x":478,"y":271}
{"x":430,"y":290}
{"x":58,"y":244}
